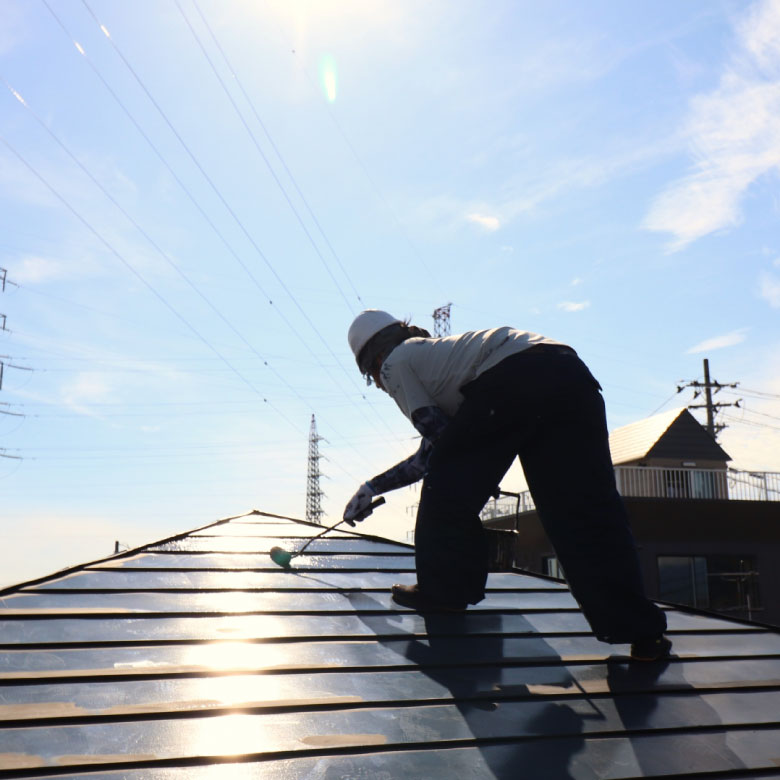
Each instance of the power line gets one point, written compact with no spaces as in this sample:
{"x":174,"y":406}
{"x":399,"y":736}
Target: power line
{"x":752,"y":423}
{"x":661,"y":406}
{"x":762,"y":414}
{"x":764,"y":399}
{"x":712,"y":408}
{"x":162,"y":159}
{"x":138,"y":276}
{"x":202,"y":170}
{"x":28,"y":289}
{"x":236,"y":218}
{"x":262,"y":154}
{"x":759,"y":393}
{"x":146,"y":235}
{"x":13,"y":471}
{"x":4,"y":365}
{"x":159,"y":154}
{"x":230,"y":366}
{"x":368,"y":176}
{"x":4,"y":280}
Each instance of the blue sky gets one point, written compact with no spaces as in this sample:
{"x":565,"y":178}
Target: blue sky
{"x":198,"y":198}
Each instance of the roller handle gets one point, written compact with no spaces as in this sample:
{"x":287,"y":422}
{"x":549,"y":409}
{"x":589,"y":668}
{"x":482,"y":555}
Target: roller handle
{"x":369,"y":509}
{"x":362,"y":516}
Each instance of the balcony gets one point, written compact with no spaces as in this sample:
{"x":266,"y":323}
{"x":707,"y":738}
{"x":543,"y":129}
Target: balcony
{"x":658,"y":482}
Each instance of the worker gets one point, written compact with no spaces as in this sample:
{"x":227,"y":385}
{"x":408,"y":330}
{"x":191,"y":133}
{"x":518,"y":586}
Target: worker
{"x":479,"y":400}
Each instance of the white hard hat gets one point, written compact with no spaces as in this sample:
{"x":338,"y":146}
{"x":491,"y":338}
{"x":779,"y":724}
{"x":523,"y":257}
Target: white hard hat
{"x":365,"y":326}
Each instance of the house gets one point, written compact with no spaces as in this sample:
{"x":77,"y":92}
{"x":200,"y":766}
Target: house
{"x":669,"y":456}
{"x":197,"y":658}
{"x":708,"y":536}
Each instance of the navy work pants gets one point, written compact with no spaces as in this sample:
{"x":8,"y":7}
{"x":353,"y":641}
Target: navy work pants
{"x":544,"y":406}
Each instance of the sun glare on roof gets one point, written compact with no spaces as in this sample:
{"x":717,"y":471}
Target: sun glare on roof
{"x":231,"y":735}
{"x":225,"y":656}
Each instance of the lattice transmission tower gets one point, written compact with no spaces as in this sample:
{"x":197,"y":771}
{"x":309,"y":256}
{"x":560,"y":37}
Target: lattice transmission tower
{"x":314,"y":494}
{"x":441,"y":321}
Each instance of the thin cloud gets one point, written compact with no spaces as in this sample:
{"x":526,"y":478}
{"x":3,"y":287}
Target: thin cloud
{"x":36,"y":270}
{"x":488,"y":223}
{"x":87,"y":388}
{"x":573,"y":306}
{"x":734,"y":133}
{"x":719,"y":342}
{"x":14,"y":30}
{"x":770,"y":289}
{"x":536,"y":184}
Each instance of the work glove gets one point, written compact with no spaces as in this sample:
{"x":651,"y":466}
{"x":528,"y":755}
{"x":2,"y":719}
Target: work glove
{"x":358,"y":504}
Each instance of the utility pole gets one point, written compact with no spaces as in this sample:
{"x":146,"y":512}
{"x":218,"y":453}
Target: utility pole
{"x":708,"y":385}
{"x":10,"y":365}
{"x":314,"y":494}
{"x":441,"y":321}
{"x":3,"y":275}
{"x":3,"y":281}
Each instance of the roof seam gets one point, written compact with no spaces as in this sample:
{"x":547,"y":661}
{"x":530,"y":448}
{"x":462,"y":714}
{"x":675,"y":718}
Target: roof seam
{"x":432,"y":745}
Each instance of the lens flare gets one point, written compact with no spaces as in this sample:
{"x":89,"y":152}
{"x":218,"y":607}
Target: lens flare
{"x":329,"y":78}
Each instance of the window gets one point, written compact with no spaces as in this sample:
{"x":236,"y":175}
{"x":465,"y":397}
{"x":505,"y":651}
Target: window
{"x":677,"y":484}
{"x":683,"y":580}
{"x":722,"y":583}
{"x":704,"y":484}
{"x":690,"y":483}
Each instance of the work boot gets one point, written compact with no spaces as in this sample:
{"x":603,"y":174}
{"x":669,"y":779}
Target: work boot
{"x":410,"y":596}
{"x":651,"y":649}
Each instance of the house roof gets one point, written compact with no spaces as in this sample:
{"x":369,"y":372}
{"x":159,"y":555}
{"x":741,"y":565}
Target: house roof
{"x":675,"y":434}
{"x":198,"y":658}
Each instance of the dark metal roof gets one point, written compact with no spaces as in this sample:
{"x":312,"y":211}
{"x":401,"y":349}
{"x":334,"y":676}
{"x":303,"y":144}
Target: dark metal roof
{"x":675,"y":435}
{"x":199,"y":658}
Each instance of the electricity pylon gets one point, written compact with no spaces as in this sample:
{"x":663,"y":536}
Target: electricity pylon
{"x":441,"y":321}
{"x":314,"y":494}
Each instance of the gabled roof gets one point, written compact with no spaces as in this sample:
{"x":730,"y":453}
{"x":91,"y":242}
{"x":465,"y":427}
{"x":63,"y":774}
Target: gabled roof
{"x":198,"y":658}
{"x":675,"y":434}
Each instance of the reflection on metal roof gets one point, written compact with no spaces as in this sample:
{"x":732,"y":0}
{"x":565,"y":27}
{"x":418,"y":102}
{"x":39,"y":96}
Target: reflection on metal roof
{"x":199,"y":658}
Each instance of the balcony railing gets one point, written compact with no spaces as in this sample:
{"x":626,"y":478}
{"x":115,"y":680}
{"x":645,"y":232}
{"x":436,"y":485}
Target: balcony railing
{"x":733,"y":484}
{"x":754,"y":485}
{"x":508,"y":505}
{"x":658,"y":482}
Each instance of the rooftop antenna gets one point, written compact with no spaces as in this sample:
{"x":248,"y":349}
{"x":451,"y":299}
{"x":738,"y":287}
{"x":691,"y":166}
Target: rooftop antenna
{"x":441,"y":321}
{"x":314,"y":494}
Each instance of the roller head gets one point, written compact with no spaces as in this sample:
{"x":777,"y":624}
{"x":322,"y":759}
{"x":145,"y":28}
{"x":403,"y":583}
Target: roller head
{"x":281,"y":557}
